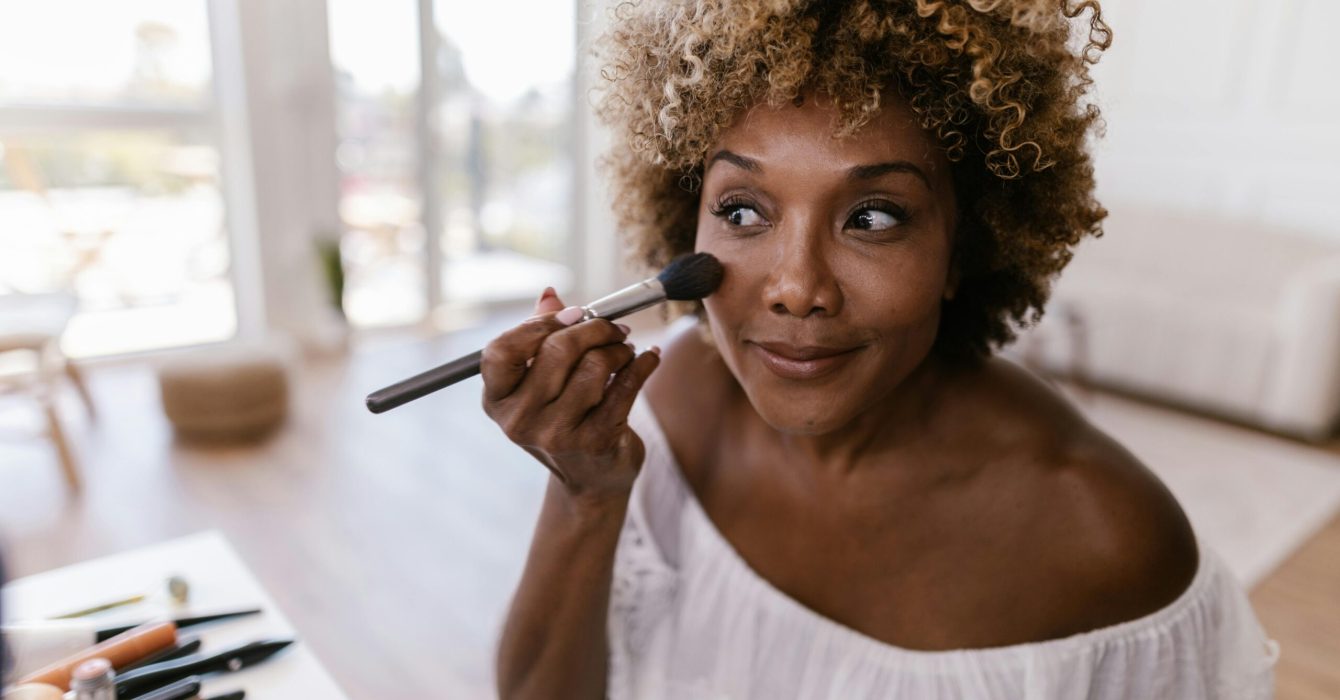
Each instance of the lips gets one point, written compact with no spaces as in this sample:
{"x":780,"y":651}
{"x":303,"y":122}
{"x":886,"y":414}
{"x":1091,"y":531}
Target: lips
{"x":802,"y":361}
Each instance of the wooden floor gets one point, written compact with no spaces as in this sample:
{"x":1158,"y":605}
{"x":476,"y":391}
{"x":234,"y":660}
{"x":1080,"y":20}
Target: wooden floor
{"x":1299,"y":605}
{"x":393,"y":542}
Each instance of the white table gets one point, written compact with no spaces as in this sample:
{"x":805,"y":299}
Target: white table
{"x":218,"y":581}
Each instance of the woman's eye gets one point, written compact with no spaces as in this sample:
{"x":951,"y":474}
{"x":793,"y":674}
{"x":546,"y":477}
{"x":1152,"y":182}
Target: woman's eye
{"x":741,"y":215}
{"x":874,"y":220}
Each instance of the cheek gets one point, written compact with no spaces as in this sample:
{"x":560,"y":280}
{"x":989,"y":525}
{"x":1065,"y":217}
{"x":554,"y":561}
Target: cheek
{"x":904,"y":287}
{"x":907,"y":277}
{"x":742,"y":267}
{"x":728,"y":305}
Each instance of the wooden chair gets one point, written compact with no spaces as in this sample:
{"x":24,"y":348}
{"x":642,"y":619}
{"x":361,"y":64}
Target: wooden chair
{"x":32,"y":364}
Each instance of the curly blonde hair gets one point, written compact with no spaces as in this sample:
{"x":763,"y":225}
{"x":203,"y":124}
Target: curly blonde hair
{"x":994,"y":81}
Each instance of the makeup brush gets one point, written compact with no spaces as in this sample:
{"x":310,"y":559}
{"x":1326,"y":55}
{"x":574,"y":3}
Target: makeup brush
{"x":184,"y":647}
{"x":686,"y":278}
{"x":109,"y":632}
{"x":183,"y":689}
{"x":142,"y":680}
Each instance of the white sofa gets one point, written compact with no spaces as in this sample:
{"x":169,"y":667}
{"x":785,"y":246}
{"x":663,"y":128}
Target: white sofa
{"x":1232,"y":318}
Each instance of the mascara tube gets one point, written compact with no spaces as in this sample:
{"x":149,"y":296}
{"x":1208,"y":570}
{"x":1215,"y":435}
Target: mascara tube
{"x":94,"y":680}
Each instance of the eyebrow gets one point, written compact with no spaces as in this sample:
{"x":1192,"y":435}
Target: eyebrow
{"x":870,"y":172}
{"x":859,"y":172}
{"x":735,"y":159}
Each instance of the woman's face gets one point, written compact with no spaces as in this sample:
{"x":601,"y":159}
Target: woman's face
{"x":837,"y":258}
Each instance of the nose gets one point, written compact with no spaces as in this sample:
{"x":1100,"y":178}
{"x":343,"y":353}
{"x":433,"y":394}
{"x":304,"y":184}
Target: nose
{"x":801,"y":281}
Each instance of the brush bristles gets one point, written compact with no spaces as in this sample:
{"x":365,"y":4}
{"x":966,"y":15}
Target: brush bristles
{"x":691,"y":277}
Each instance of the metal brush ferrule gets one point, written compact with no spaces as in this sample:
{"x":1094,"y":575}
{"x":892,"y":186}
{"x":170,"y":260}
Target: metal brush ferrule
{"x":625,"y":301}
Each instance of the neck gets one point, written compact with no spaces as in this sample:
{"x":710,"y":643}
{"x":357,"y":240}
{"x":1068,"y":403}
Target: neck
{"x":897,"y":424}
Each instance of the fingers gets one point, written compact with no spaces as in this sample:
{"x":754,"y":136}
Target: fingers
{"x":546,"y":372}
{"x":586,"y":387}
{"x":503,"y":362}
{"x":560,"y":353}
{"x":549,"y":302}
{"x":622,"y":390}
{"x":544,"y":339}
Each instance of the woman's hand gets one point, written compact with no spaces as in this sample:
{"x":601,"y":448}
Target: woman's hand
{"x":547,"y":383}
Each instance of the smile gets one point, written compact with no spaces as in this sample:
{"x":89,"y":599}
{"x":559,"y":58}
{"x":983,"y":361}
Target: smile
{"x":809,"y":362}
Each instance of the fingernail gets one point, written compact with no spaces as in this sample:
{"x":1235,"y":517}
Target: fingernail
{"x":656,"y":349}
{"x":626,"y":330}
{"x":569,"y":315}
{"x":631,"y":346}
{"x":547,"y":293}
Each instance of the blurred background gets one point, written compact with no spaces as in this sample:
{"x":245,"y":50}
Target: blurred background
{"x":154,"y":152}
{"x":223,"y":222}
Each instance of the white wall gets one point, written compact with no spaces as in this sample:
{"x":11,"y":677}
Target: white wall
{"x":1225,"y":106}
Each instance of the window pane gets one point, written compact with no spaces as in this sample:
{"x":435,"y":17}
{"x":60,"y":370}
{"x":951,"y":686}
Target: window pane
{"x":130,"y":221}
{"x":95,"y":51}
{"x":374,"y":47}
{"x":507,"y":162}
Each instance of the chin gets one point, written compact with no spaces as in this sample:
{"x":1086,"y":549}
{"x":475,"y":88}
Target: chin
{"x":794,"y":415}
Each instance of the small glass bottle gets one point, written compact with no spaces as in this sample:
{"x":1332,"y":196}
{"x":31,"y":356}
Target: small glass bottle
{"x":94,"y":680}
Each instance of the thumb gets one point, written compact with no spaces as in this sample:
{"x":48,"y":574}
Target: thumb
{"x":549,"y":302}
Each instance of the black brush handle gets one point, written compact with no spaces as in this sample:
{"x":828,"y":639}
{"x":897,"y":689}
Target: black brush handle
{"x":184,"y":647}
{"x":617,"y":305}
{"x":107,"y":633}
{"x":140,"y":681}
{"x":181,"y":690}
{"x":687,"y":278}
{"x":425,"y":383}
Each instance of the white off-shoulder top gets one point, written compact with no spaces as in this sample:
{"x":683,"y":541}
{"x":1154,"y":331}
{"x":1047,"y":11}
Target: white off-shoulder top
{"x":689,"y":619}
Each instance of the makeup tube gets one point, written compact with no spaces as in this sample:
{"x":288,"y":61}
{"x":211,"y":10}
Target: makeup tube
{"x":122,"y":649}
{"x":35,"y":645}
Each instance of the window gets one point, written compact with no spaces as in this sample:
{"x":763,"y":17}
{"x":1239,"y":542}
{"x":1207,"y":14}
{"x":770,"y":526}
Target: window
{"x":109,"y":171}
{"x":376,"y":58}
{"x":489,"y":141}
{"x":505,"y":118}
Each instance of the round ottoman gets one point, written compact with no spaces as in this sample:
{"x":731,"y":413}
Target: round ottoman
{"x":233,"y":393}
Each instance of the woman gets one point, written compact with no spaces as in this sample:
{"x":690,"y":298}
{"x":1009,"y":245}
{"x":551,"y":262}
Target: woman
{"x":831,"y":489}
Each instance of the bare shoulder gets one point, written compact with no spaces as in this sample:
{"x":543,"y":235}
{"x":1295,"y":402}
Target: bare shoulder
{"x":1129,"y":549}
{"x":1117,"y":540}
